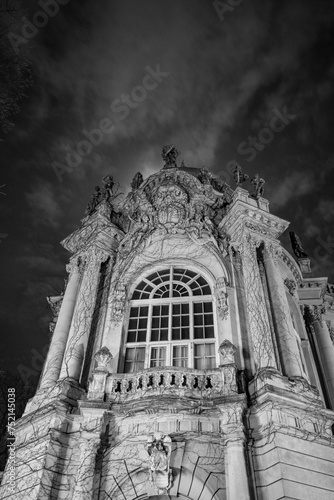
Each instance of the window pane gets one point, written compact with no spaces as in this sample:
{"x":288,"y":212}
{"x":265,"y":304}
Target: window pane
{"x":185,"y":333}
{"x":154,"y":335}
{"x":159,"y":324}
{"x":141,"y":337}
{"x":198,"y":307}
{"x":204,"y":356}
{"x":180,"y":355}
{"x":176,"y":334}
{"x":198,"y":332}
{"x":207,"y":307}
{"x":134,"y":359}
{"x":158,"y":356}
{"x":176,"y":321}
{"x":198,"y":319}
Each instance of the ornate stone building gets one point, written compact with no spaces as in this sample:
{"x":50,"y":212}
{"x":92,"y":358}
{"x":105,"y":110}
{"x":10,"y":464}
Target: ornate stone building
{"x":192,"y":356}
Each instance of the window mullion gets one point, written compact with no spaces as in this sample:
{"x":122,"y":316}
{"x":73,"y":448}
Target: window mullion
{"x":148,"y":335}
{"x":191,"y":343}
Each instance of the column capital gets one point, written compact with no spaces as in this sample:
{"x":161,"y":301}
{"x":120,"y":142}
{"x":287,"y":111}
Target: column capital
{"x":75,"y":266}
{"x":315,"y":313}
{"x":95,"y":255}
{"x":330,"y":330}
{"x":272,"y":250}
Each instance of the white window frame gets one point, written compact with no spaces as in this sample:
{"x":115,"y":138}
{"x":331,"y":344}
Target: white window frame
{"x":189,"y":299}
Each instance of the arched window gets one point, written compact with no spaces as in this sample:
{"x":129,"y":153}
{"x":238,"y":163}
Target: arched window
{"x":171,"y":322}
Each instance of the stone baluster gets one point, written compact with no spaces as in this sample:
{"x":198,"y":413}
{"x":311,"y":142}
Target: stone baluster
{"x":259,"y":326}
{"x":288,"y":348}
{"x":237,"y":485}
{"x":85,"y":475}
{"x":57,"y":347}
{"x":83,"y":314}
{"x":314,"y":317}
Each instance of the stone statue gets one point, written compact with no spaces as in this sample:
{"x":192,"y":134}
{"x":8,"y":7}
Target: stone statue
{"x":159,"y":449}
{"x":297,"y":246}
{"x":95,"y":199}
{"x":169,"y":155}
{"x":258,"y":184}
{"x":108,"y":184}
{"x":204,"y":176}
{"x":136,"y":181}
{"x":238,"y":176}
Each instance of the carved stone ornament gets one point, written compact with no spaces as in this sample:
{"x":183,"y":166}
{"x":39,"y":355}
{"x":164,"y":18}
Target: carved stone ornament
{"x":159,"y":449}
{"x":227,"y":350}
{"x":55,"y":305}
{"x":291,"y":285}
{"x":118,"y":302}
{"x":102,"y":357}
{"x":169,"y":155}
{"x":136,"y":181}
{"x":221,"y":297}
{"x":330,"y":330}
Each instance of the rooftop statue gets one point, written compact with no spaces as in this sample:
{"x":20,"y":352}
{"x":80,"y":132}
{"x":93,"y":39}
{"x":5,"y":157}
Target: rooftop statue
{"x":137,"y":181}
{"x":297,"y":246}
{"x":258,"y":184}
{"x":107,"y":193}
{"x":169,"y":155}
{"x":238,"y":176}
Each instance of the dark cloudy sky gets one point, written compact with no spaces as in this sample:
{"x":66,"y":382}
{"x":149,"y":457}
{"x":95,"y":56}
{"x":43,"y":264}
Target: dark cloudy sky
{"x":227,"y":74}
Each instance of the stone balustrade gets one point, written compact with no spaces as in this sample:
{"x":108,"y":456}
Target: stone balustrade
{"x":172,"y":381}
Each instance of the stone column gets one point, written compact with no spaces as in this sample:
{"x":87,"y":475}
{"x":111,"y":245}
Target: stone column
{"x":288,"y":348}
{"x":237,"y":486}
{"x":314,"y":316}
{"x":57,"y":347}
{"x":259,"y":326}
{"x":83,"y":314}
{"x":88,"y":446}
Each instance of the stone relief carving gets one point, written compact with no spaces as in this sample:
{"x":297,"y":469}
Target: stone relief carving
{"x":291,"y":285}
{"x":118,"y":299}
{"x":136,"y":181}
{"x":227,"y":350}
{"x":221,"y":297}
{"x":159,"y":449}
{"x":55,"y":305}
{"x":330,"y":330}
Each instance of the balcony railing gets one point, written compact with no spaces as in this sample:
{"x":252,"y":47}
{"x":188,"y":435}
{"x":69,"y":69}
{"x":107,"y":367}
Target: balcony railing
{"x":172,"y":381}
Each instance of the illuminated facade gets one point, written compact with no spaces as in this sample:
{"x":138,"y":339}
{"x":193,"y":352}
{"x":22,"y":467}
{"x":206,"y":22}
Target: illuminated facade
{"x":192,"y":357}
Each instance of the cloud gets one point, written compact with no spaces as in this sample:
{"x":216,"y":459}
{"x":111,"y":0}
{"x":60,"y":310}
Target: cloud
{"x":46,"y":209}
{"x":292,"y":186}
